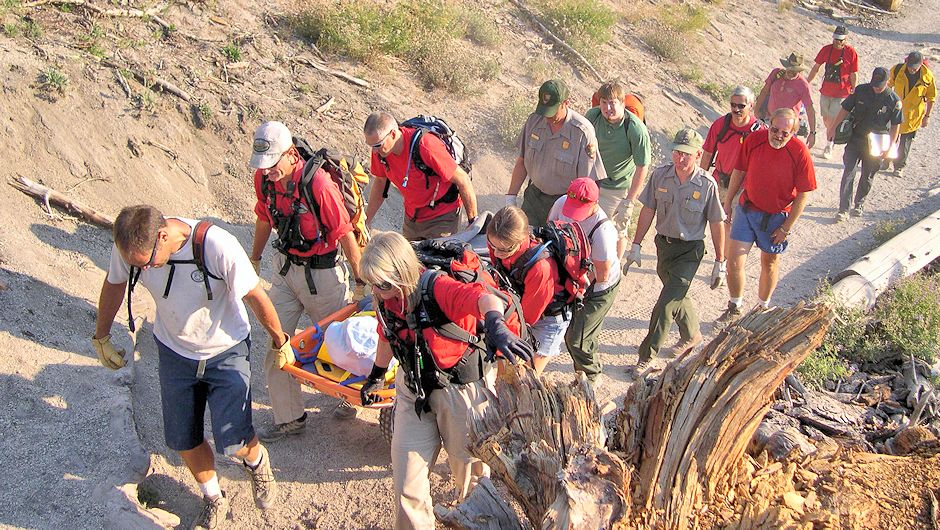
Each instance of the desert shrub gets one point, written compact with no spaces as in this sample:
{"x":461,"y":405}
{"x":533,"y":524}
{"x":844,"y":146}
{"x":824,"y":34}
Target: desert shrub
{"x":886,"y":229}
{"x":584,"y":25}
{"x":821,"y":366}
{"x":512,"y":118}
{"x":53,"y":80}
{"x":232,"y":51}
{"x":481,"y":29}
{"x":667,"y":44}
{"x":909,"y":317}
{"x":718,"y":93}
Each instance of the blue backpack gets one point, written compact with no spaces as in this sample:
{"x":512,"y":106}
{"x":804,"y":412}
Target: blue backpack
{"x":438,"y":127}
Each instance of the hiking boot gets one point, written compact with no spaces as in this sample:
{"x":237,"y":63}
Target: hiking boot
{"x":282,"y":430}
{"x":899,"y":172}
{"x":213,"y":514}
{"x":885,"y":164}
{"x":827,"y":152}
{"x":856,"y":212}
{"x":841,"y":216}
{"x":731,"y":314}
{"x":344,"y":411}
{"x":683,"y":346}
{"x":263,"y":485}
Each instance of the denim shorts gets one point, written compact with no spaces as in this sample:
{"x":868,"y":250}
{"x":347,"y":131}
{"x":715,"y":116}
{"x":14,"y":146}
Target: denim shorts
{"x":550,"y":332}
{"x":224,"y":385}
{"x":748,"y":226}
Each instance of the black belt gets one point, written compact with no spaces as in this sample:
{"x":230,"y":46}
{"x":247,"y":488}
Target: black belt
{"x":316,"y":261}
{"x":673,"y":240}
{"x":765,"y":219}
{"x":594,"y":294}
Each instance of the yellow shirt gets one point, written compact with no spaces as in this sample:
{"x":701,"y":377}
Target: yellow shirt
{"x":913,"y":98}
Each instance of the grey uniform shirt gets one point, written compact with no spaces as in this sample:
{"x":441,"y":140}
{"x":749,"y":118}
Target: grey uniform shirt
{"x":682,"y":209}
{"x":553,"y":160}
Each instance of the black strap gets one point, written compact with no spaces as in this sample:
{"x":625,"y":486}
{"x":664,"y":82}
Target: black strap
{"x":596,"y":226}
{"x":131,"y":283}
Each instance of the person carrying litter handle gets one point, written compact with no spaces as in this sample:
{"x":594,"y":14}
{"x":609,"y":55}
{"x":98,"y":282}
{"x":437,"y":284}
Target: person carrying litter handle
{"x":429,"y":320}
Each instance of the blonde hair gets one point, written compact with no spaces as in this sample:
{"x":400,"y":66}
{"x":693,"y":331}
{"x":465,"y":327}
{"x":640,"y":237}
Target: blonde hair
{"x":510,"y":225}
{"x":389,"y":257}
{"x":615,"y":90}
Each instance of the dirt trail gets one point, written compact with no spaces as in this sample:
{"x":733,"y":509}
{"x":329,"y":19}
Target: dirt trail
{"x":64,"y":446}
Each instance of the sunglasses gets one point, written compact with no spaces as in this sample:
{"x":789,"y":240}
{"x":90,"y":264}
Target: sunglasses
{"x":574,"y":197}
{"x":153,"y":254}
{"x":777,"y":130}
{"x":504,"y":250}
{"x":739,"y":106}
{"x":380,"y":142}
{"x":384,"y":286}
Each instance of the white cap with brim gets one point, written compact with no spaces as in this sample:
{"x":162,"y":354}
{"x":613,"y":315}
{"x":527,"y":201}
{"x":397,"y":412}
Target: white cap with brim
{"x":272,"y":139}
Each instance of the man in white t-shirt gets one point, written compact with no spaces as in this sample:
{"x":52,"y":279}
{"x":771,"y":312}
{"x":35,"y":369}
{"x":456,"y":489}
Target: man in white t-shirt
{"x":200,"y":279}
{"x":579,"y":205}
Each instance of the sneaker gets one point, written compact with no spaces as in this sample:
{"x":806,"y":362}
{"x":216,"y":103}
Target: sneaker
{"x":899,"y":172}
{"x":263,"y":485}
{"x":634,"y":371}
{"x":683,"y":346}
{"x":885,"y":164}
{"x":213,"y":514}
{"x":856,"y":212}
{"x":282,"y":430}
{"x":841,"y":216}
{"x":731,"y":314}
{"x":827,"y":152}
{"x":344,"y":411}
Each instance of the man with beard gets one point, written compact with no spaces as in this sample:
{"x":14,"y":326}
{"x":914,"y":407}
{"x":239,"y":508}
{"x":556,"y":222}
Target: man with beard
{"x":624,"y":143}
{"x":777,"y":174}
{"x":726,"y":136}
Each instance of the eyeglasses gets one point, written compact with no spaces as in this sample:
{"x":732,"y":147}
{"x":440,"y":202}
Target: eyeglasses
{"x":504,"y":250}
{"x":739,"y":106}
{"x":153,"y":254}
{"x":776,"y":130}
{"x":384,"y":286}
{"x":584,"y":200}
{"x":380,"y":142}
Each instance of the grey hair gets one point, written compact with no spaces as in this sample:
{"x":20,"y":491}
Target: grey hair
{"x":742,"y":90}
{"x":379,"y":123}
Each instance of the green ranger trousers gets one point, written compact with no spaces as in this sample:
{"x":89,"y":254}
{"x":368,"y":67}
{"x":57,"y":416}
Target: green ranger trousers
{"x":676,"y":264}
{"x":585,"y":325}
{"x":537,"y":204}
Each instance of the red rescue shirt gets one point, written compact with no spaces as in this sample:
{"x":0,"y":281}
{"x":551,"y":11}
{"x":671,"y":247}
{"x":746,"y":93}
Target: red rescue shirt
{"x":849,"y":65}
{"x":540,"y":285}
{"x":417,"y":192}
{"x":332,"y":209}
{"x":729,"y":148}
{"x":460,"y":304}
{"x":773,"y":177}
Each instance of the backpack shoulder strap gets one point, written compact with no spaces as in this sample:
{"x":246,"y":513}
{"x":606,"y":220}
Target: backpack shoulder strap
{"x":430,"y":307}
{"x":199,"y":253}
{"x":415,"y":150}
{"x":133,"y":276}
{"x":896,"y":69}
{"x":596,"y":226}
{"x":725,"y":127}
{"x":311,"y":166}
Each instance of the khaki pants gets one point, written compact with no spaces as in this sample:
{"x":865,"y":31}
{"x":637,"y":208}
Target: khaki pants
{"x":291,"y":298}
{"x":611,"y":201}
{"x":445,"y":225}
{"x":417,"y":442}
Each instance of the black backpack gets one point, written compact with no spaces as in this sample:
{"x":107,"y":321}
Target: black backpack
{"x":726,"y":130}
{"x":198,"y":239}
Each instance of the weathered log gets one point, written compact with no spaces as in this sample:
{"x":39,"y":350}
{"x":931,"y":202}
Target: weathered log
{"x":49,"y":195}
{"x":557,"y":40}
{"x":483,"y":509}
{"x":332,"y":71}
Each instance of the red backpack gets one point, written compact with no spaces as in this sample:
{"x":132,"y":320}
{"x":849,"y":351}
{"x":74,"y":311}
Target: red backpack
{"x":571,"y":250}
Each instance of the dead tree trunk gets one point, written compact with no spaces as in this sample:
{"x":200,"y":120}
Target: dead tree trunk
{"x":675,"y":443}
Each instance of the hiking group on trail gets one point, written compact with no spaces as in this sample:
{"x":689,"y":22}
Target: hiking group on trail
{"x":449,"y":319}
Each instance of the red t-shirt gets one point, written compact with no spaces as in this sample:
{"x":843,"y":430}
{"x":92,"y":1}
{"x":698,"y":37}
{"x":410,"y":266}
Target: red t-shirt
{"x":729,"y":148}
{"x":849,"y":65}
{"x":540,"y":285}
{"x":329,"y":198}
{"x":787,"y":93}
{"x":417,"y":192}
{"x":460,"y":304}
{"x":773,"y":177}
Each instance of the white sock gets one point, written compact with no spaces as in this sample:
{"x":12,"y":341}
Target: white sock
{"x":211,"y":489}
{"x":255,"y":463}
{"x":830,"y":144}
{"x":737,"y":301}
{"x":764,"y":303}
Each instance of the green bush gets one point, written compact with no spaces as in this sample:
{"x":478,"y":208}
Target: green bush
{"x":232,"y":51}
{"x":53,"y":80}
{"x":718,"y":93}
{"x":909,"y":317}
{"x":512,"y":118}
{"x":584,"y":25}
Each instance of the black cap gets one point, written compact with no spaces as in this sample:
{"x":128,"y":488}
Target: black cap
{"x":879,"y":77}
{"x":914,"y":59}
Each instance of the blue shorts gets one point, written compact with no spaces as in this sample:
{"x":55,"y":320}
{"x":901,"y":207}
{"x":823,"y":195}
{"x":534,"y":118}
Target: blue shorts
{"x":755,"y":226}
{"x":224,"y":386}
{"x":550,"y":332}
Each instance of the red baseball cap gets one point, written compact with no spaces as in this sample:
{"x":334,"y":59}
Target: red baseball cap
{"x":582,"y":196}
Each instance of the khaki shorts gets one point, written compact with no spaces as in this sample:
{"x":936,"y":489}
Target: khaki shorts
{"x":611,"y":201}
{"x":830,"y":107}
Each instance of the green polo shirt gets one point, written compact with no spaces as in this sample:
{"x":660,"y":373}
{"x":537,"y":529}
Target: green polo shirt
{"x":620,"y":151}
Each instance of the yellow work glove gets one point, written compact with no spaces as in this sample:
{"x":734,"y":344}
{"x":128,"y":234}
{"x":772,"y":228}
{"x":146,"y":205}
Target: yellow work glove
{"x":285,"y":353}
{"x":256,"y":263}
{"x":107,"y":355}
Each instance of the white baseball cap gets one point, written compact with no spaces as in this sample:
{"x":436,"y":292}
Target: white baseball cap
{"x":272,"y":140}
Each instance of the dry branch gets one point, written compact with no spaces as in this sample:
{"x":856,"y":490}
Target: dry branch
{"x":152,"y":81}
{"x":122,"y":82}
{"x":326,"y":106}
{"x":557,"y":40}
{"x":338,"y":73}
{"x":111,"y":12}
{"x":483,"y":509}
{"x":34,"y":189}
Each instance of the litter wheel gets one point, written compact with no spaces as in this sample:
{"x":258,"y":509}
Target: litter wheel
{"x":387,"y":423}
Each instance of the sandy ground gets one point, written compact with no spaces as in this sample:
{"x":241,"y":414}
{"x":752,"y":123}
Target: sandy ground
{"x":67,"y":436}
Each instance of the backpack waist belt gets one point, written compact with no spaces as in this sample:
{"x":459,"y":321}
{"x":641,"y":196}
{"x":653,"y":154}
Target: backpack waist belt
{"x":317,"y":261}
{"x":450,"y":197}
